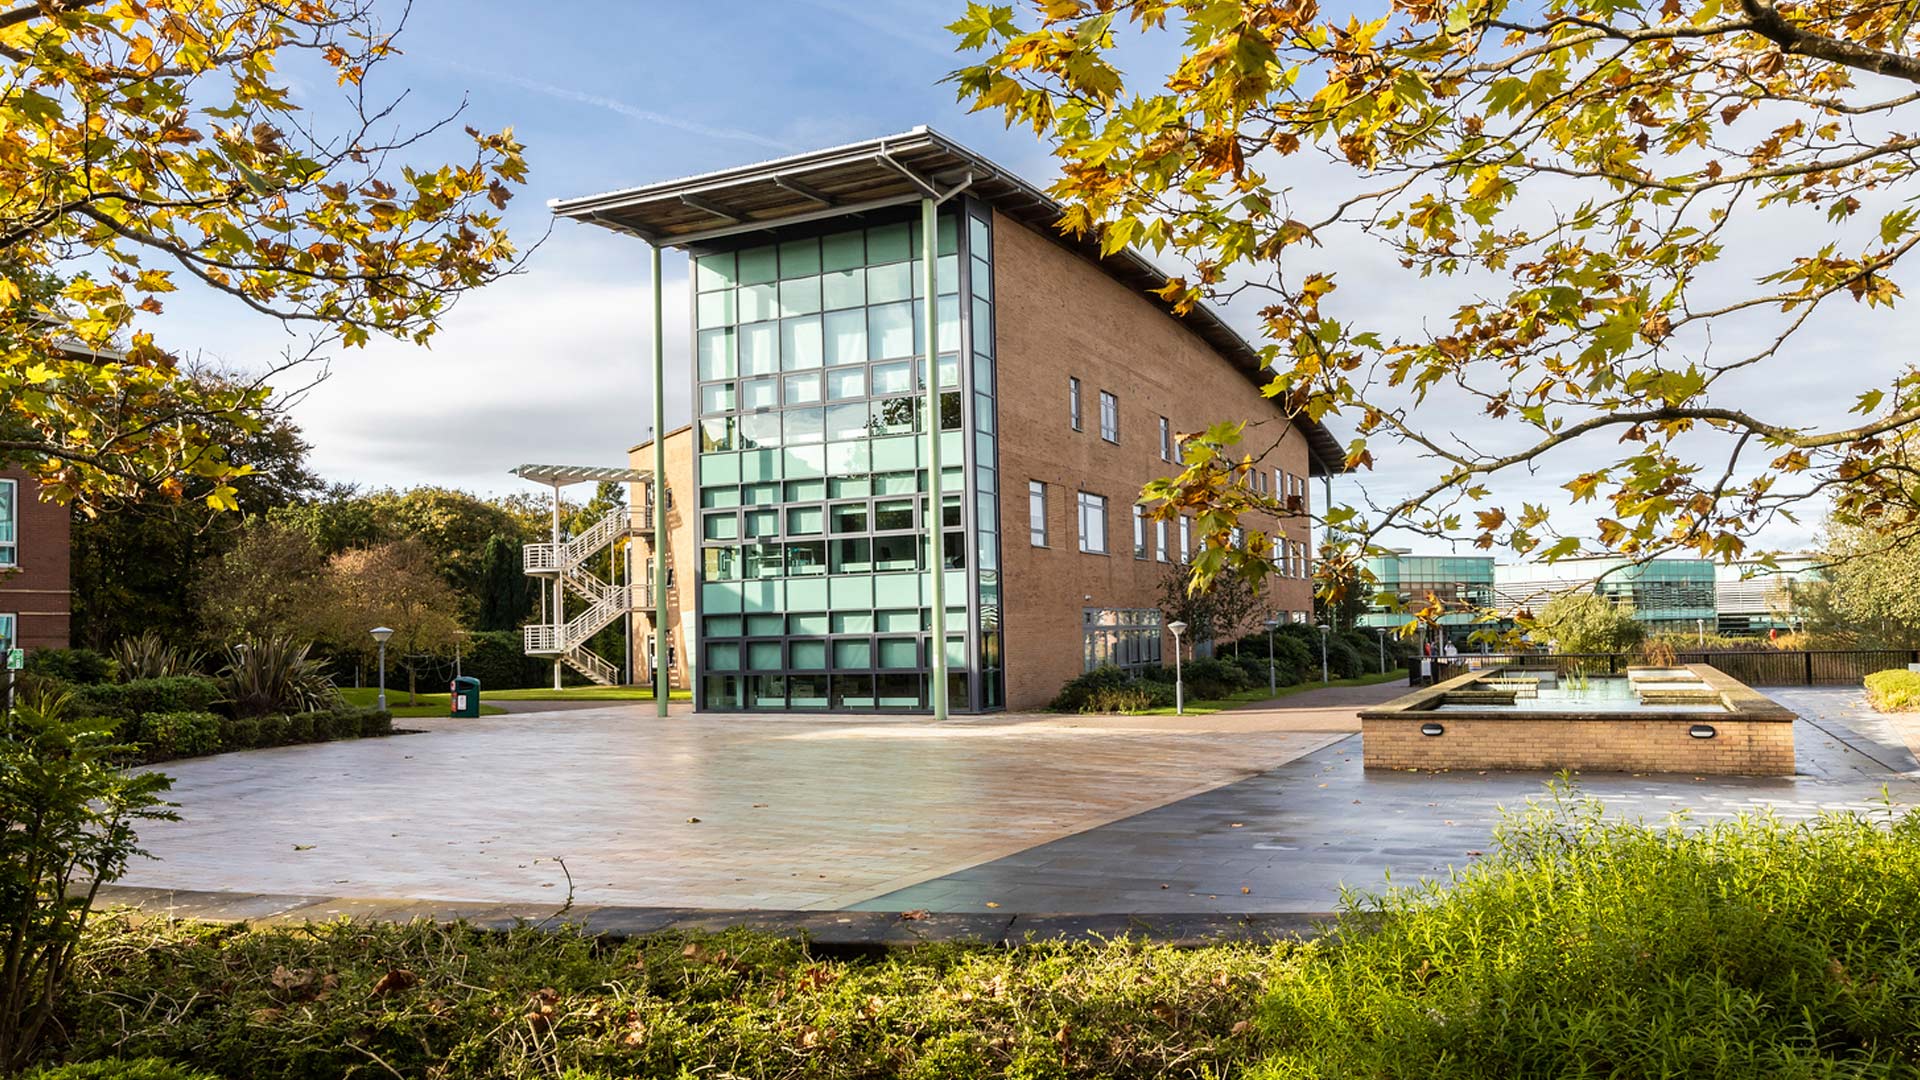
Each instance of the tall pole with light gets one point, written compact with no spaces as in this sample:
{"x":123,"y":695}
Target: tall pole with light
{"x":1179,"y":683}
{"x":1272,"y":625}
{"x":1383,"y":649}
{"x":381,"y":634}
{"x":1324,"y":629}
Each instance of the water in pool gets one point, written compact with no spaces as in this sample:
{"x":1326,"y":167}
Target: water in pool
{"x":1595,"y":693}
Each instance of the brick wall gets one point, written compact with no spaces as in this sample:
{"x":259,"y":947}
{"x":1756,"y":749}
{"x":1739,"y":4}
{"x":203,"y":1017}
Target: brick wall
{"x":682,"y":555}
{"x":1058,"y":316}
{"x":1739,"y":747}
{"x":37,"y":591}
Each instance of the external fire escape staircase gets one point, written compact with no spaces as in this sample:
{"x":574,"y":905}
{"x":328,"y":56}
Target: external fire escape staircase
{"x":565,"y":566}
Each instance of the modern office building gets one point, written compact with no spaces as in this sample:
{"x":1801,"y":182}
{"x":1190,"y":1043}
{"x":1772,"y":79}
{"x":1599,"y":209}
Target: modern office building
{"x":820,"y":467}
{"x":1666,"y":594}
{"x":1462,"y":584}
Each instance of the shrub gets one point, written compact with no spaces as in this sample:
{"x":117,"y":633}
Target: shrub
{"x":67,"y":818}
{"x":147,"y":655}
{"x":120,"y":1069}
{"x":274,"y":675}
{"x":1212,"y":677}
{"x":132,"y":700}
{"x":77,"y":667}
{"x":375,"y":722}
{"x":1074,"y":696}
{"x":239,"y":732}
{"x":1894,"y":691}
{"x":272,"y":731}
{"x":179,"y":734}
{"x":299,"y":728}
{"x":1137,"y":696}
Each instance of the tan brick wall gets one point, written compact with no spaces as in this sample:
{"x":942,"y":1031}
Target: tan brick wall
{"x":1739,"y":747}
{"x":38,"y":591}
{"x":1058,"y":315}
{"x":682,"y":555}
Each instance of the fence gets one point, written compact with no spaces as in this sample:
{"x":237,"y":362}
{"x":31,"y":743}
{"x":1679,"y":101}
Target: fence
{"x":1760,"y":667}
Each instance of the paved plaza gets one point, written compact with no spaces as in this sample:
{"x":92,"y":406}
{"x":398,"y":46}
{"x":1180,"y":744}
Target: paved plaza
{"x":1257,"y":810}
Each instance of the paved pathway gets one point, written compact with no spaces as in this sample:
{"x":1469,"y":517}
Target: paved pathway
{"x":1292,"y":838}
{"x":793,"y":812}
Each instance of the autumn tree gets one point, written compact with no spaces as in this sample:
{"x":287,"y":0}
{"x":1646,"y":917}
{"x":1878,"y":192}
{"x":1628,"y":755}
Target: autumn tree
{"x":395,"y":585}
{"x":1609,"y":230}
{"x":147,"y":145}
{"x":1582,"y":622}
{"x":268,"y":585}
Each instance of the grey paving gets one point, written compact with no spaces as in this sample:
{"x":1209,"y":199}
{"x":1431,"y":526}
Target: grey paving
{"x":1293,"y":838}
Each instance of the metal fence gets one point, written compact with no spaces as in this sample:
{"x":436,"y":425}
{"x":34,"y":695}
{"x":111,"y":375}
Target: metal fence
{"x":1760,"y":667}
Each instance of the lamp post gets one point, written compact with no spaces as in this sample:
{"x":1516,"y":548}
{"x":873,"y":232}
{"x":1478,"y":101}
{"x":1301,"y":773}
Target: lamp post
{"x":381,"y":634}
{"x":1179,"y":684}
{"x":1324,"y":629}
{"x":1383,"y":649}
{"x":1700,"y":628}
{"x":1272,"y":624}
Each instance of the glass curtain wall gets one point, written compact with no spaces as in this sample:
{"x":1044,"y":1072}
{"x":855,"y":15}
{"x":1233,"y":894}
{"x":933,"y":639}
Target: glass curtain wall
{"x":814,"y":575}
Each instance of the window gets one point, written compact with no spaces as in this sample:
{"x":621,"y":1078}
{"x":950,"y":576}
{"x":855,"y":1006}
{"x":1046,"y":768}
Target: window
{"x":1186,"y":538}
{"x":1166,"y":440}
{"x":1093,"y":523}
{"x":1160,"y":540}
{"x":9,"y":514}
{"x":1109,"y":417}
{"x":1126,"y":638}
{"x":1280,"y":556}
{"x":1139,"y":531}
{"x":1073,"y":402}
{"x":1037,"y":513}
{"x":7,"y":637}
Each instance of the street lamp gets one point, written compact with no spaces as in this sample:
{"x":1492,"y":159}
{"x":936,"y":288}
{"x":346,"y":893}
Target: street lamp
{"x":1700,"y":627}
{"x":1324,"y":628}
{"x":1383,"y":649}
{"x":381,"y":634}
{"x":1272,"y":623}
{"x":1179,"y":684}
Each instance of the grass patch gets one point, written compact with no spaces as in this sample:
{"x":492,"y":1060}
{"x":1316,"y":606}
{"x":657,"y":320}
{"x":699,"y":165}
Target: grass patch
{"x":1254,"y":696}
{"x":425,"y":704}
{"x":1579,"y":947}
{"x":1894,"y":691}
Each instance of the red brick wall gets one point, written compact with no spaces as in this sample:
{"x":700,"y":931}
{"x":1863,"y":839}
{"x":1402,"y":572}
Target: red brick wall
{"x":37,"y":592}
{"x":1057,"y":315}
{"x":1739,"y":747}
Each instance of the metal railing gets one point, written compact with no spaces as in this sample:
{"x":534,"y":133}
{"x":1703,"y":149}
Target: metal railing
{"x":1756,"y":667}
{"x":541,"y":558}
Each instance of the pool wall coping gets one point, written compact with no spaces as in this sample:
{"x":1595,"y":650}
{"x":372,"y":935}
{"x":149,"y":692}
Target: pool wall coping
{"x":1743,"y":702}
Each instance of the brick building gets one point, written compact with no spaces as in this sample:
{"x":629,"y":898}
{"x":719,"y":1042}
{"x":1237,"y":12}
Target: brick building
{"x":800,"y":519}
{"x":36,"y":556}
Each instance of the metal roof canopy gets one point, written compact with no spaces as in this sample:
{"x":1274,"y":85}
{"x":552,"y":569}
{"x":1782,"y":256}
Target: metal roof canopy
{"x":893,"y":170}
{"x":562,"y":475}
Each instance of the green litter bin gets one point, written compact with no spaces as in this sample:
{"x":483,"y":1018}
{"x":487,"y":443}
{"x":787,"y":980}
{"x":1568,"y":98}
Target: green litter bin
{"x":464,"y":699}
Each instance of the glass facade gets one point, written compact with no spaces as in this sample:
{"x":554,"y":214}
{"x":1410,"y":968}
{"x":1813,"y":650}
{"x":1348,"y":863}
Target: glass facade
{"x":1463,"y":583}
{"x":1125,"y":638}
{"x":814,"y":492}
{"x":1666,"y":594}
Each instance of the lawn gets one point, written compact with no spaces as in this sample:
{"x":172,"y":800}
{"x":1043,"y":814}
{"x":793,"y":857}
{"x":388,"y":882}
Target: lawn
{"x":437,"y":704}
{"x":1259,"y":694}
{"x":1579,"y":946}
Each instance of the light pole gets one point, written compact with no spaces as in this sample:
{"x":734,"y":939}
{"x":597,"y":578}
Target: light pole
{"x":1700,"y":628}
{"x":1179,"y":684}
{"x":1272,"y":689}
{"x":1383,"y":649}
{"x":1324,"y":628}
{"x":381,"y":634}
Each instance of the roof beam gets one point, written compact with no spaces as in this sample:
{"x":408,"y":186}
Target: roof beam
{"x":701,"y":202}
{"x":805,"y":191}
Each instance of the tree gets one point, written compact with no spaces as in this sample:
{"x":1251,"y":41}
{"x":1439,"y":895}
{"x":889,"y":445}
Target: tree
{"x":1582,"y":622}
{"x":506,"y":592}
{"x":1625,"y":215}
{"x":1220,"y":611}
{"x":395,"y":585}
{"x":269,"y":585}
{"x":1870,"y":593}
{"x":150,"y":145}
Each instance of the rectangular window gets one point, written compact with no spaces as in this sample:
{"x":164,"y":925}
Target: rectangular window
{"x":1037,"y":513}
{"x":1160,"y":540}
{"x":1093,"y":523}
{"x":9,"y":516}
{"x":1109,"y":417}
{"x":1073,"y":402}
{"x":1186,"y":538}
{"x":1139,"y":531}
{"x":1166,"y":440}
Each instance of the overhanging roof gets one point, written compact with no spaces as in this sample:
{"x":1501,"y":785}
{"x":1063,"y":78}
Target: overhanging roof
{"x":893,"y":170}
{"x":563,"y":475}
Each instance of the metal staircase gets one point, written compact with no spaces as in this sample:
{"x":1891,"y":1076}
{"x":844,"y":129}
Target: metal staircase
{"x":567,"y":562}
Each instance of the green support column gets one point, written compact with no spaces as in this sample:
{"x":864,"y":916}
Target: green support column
{"x":660,"y":626}
{"x":936,"y":498}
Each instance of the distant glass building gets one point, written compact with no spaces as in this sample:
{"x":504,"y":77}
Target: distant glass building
{"x":1666,"y":594}
{"x":1462,"y":583}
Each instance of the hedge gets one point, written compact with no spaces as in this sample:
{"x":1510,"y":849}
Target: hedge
{"x":1894,"y":691}
{"x":180,"y":734}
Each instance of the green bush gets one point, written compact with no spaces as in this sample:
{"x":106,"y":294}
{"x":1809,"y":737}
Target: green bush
{"x":239,"y":733}
{"x":1894,"y":691}
{"x":299,"y":728}
{"x":179,"y":734}
{"x":375,"y":722}
{"x":273,"y":731}
{"x":1212,"y":677}
{"x":1075,"y":696}
{"x":76,"y":667}
{"x":119,"y":1069}
{"x":128,"y":701}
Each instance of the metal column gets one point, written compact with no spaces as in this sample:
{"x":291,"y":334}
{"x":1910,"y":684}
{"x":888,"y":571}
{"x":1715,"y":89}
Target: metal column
{"x":936,"y":497}
{"x":559,"y":592}
{"x":658,"y":511}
